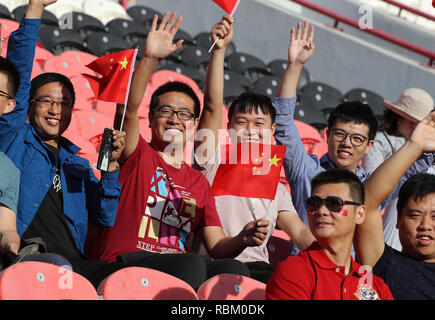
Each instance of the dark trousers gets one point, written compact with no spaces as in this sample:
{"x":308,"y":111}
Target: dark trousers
{"x":260,"y":270}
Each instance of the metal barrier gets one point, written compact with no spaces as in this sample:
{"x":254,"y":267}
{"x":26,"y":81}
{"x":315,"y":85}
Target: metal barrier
{"x":402,"y":6}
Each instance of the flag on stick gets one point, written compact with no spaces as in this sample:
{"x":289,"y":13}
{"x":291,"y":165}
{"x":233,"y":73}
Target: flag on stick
{"x":229,"y":6}
{"x":249,"y":170}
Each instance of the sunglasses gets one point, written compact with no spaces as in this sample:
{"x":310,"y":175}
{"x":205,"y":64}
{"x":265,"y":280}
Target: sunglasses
{"x":334,"y":204}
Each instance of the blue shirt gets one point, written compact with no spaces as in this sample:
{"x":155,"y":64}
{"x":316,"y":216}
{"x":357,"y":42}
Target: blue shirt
{"x":300,"y":168}
{"x":84,"y":196}
{"x":9,"y":183}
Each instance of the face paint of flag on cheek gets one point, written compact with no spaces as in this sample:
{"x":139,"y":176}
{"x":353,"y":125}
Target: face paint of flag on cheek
{"x":342,"y":212}
{"x":311,"y":213}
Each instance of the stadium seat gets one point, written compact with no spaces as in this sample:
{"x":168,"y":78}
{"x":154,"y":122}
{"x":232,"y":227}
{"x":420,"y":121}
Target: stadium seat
{"x":8,"y":26}
{"x":143,"y":14}
{"x":104,"y":10}
{"x":145,"y":129}
{"x":184,"y":35}
{"x":321,"y":95}
{"x":187,"y":71}
{"x":91,"y":124}
{"x":105,"y":108}
{"x":100,"y":43}
{"x":267,"y":85}
{"x":130,"y":31}
{"x":309,"y":135}
{"x":57,"y":40}
{"x":195,"y":57}
{"x":161,"y":77}
{"x":135,"y":283}
{"x":319,"y":149}
{"x":231,"y":287}
{"x":85,"y":97}
{"x":374,"y":100}
{"x":277,"y":67}
{"x":31,"y":280}
{"x":247,"y":64}
{"x":81,"y":23}
{"x":47,"y":18}
{"x":81,"y":57}
{"x":234,"y":84}
{"x":62,"y":7}
{"x":5,"y":13}
{"x":66,"y":66}
{"x":278,"y":247}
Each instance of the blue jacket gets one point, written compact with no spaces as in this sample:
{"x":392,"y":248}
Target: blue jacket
{"x":84,"y":196}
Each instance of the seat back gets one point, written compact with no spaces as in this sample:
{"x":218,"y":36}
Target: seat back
{"x":136,"y":283}
{"x":31,"y":280}
{"x":232,"y":287}
{"x":278,"y":247}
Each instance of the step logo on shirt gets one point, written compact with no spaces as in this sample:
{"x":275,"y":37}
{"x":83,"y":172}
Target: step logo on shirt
{"x":168,"y":216}
{"x":365,"y":292}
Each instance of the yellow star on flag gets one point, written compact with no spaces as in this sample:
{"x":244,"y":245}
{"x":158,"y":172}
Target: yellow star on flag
{"x":274,"y":161}
{"x":124,"y":63}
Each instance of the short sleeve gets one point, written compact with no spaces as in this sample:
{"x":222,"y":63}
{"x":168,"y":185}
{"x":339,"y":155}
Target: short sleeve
{"x":285,"y":202}
{"x":9,"y":183}
{"x":381,"y":267}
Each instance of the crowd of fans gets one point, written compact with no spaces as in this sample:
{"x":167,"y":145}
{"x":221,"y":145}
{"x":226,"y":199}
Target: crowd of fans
{"x":149,"y":209}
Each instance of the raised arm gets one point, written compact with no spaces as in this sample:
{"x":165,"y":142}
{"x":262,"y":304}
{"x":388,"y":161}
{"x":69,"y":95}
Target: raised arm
{"x":369,"y":237}
{"x":300,"y":50}
{"x":159,"y":44}
{"x":211,"y":117}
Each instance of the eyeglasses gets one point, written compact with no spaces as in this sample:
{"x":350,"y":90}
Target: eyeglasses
{"x":332,"y":203}
{"x":166,"y":112}
{"x":340,"y":135}
{"x":5,"y":94}
{"x":47,"y":103}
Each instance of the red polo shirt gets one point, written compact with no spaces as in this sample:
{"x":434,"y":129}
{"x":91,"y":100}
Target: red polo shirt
{"x":311,"y":275}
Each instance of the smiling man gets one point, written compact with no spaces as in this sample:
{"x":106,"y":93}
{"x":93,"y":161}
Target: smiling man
{"x":326,"y":270}
{"x":163,"y":200}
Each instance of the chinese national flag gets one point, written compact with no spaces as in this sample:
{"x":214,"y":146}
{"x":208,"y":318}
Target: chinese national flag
{"x":116,"y":70}
{"x":249,"y":170}
{"x":229,"y":6}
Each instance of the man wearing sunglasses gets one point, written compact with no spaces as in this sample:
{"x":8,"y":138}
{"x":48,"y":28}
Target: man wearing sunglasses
{"x":351,"y":129}
{"x":326,"y":270}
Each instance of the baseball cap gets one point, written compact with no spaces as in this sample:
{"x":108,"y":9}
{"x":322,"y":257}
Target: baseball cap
{"x":413,"y":104}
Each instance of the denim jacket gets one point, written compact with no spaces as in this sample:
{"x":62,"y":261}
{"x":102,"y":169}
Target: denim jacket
{"x":84,"y":196}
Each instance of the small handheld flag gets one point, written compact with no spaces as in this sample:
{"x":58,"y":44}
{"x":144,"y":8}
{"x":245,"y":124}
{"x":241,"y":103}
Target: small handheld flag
{"x":229,"y":6}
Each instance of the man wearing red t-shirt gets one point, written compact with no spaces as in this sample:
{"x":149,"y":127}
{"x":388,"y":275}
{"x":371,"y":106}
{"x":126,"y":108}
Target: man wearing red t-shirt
{"x":326,"y":270}
{"x":162,"y":199}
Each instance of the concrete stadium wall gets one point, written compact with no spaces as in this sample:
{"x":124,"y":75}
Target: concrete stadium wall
{"x":341,"y":59}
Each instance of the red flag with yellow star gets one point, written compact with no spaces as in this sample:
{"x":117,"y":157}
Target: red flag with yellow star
{"x":116,"y":70}
{"x":249,"y":170}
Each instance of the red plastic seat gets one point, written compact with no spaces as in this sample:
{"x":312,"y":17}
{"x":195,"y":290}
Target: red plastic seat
{"x":81,"y":57}
{"x":66,"y":66}
{"x":319,"y":149}
{"x":105,"y":108}
{"x":278,"y":247}
{"x":31,"y":280}
{"x":85,"y":97}
{"x":232,"y":287}
{"x":8,"y":26}
{"x":309,"y":135}
{"x":135,"y":283}
{"x":162,"y":76}
{"x":91,"y":124}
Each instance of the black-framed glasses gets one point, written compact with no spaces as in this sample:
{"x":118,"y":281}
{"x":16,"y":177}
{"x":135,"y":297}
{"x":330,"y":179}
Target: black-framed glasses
{"x":332,"y":203}
{"x":5,"y":94}
{"x":47,"y":103}
{"x":167,"y":112}
{"x":340,"y":135}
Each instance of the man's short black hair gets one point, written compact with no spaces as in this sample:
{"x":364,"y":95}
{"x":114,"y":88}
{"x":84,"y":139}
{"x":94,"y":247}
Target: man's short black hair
{"x":12,"y":74}
{"x":416,"y":187}
{"x":341,"y":176}
{"x":176,"y":86}
{"x":50,"y":77}
{"x":354,"y":111}
{"x":248,"y":102}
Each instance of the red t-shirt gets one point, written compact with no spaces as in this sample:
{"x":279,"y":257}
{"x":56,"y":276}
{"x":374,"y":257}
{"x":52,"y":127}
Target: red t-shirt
{"x":158,"y":208}
{"x":311,"y":275}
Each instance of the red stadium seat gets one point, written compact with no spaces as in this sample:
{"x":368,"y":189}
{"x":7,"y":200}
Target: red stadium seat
{"x":135,"y":283}
{"x":8,"y":26}
{"x":81,"y":57}
{"x":319,"y":149}
{"x":66,"y":66}
{"x":91,"y":124}
{"x":106,"y":108}
{"x":85,"y":97}
{"x":309,"y":135}
{"x":31,"y":280}
{"x":232,"y":287}
{"x":144,"y":129}
{"x":278,"y":247}
{"x":162,"y":76}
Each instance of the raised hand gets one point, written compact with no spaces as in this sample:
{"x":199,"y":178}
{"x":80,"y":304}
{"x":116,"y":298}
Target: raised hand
{"x":159,"y":43}
{"x":424,"y":133}
{"x":36,"y":7}
{"x":224,"y":30}
{"x":301,"y":47}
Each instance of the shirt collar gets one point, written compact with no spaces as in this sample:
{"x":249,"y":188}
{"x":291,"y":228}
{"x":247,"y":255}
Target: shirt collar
{"x":319,"y":256}
{"x":327,"y":164}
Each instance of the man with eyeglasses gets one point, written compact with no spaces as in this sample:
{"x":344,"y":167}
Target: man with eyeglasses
{"x":350,"y":133}
{"x":326,"y":270}
{"x":164,"y":200}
